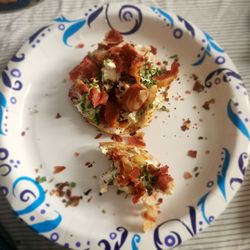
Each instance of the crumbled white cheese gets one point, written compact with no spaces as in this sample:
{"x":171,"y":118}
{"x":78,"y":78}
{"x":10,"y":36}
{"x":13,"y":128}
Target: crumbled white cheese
{"x":104,"y":150}
{"x":158,"y":103}
{"x":106,"y":179}
{"x":132,"y":117}
{"x":142,"y":49}
{"x":109,"y":71}
{"x":152,"y":162}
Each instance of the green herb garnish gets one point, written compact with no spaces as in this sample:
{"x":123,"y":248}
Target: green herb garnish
{"x":164,"y":108}
{"x":41,"y":179}
{"x":72,"y":184}
{"x":148,"y":73}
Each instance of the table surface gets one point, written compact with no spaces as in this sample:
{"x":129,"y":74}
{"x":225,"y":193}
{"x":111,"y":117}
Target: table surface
{"x":228,"y":21}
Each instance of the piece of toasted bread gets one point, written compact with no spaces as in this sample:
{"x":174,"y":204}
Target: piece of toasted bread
{"x":135,"y":172}
{"x":119,"y":85}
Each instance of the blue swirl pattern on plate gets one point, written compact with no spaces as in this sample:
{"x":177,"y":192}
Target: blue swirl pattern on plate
{"x":126,"y":15}
{"x":34,"y":197}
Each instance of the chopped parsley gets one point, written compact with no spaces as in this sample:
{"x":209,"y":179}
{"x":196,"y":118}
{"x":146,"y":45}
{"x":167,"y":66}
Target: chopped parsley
{"x":91,"y":113}
{"x":72,"y":184}
{"x":148,"y":73}
{"x":175,"y":56}
{"x":164,"y":108}
{"x":41,"y":179}
{"x":151,"y":105}
{"x":147,"y":179}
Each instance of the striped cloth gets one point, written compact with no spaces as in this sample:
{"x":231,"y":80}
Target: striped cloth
{"x":228,"y":21}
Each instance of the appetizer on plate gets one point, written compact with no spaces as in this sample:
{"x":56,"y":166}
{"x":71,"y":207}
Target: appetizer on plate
{"x":119,"y":85}
{"x":135,"y":172}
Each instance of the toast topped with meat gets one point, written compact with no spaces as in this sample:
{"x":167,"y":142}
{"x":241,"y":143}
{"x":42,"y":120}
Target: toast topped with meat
{"x":135,"y":172}
{"x":118,"y":86}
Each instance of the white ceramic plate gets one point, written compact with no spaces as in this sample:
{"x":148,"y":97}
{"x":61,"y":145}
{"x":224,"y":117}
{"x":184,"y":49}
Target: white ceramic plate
{"x":33,"y":141}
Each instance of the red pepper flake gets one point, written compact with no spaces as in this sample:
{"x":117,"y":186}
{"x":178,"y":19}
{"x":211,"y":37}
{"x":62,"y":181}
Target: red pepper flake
{"x":23,"y":133}
{"x":198,"y":87}
{"x":207,"y":152}
{"x":58,"y":116}
{"x":186,"y":125}
{"x":68,"y":198}
{"x":192,"y":153}
{"x":76,"y":154}
{"x":137,"y":140}
{"x":116,"y":138}
{"x":98,"y":136}
{"x":79,"y":46}
{"x":58,"y":169}
{"x":206,"y":105}
{"x":187,"y":175}
{"x":36,"y":170}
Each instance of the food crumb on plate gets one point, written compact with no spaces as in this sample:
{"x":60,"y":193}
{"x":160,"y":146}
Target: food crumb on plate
{"x":58,"y":169}
{"x":88,"y":192}
{"x":76,"y":154}
{"x":90,"y":199}
{"x":98,"y":136}
{"x":192,"y":153}
{"x":58,"y":115}
{"x":198,"y":87}
{"x":187,"y":175}
{"x":207,"y":104}
{"x":196,"y":174}
{"x":64,"y":190}
{"x":23,"y":133}
{"x":89,"y":164}
{"x":79,"y":46}
{"x":186,"y":125}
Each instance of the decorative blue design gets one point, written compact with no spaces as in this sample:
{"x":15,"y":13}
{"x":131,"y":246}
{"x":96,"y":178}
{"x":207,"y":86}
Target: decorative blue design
{"x":37,"y":33}
{"x":38,"y":200}
{"x":72,"y":29}
{"x":119,"y":243}
{"x":17,"y":85}
{"x":43,"y":226}
{"x":236,"y":120}
{"x":7,"y":168}
{"x":48,"y":225}
{"x":227,"y":74}
{"x":174,"y":239}
{"x":94,"y":15}
{"x":221,"y":178}
{"x":135,"y":241}
{"x":242,"y":163}
{"x":164,"y":14}
{"x":188,"y":26}
{"x":201,"y":203}
{"x":3,"y":104}
{"x":17,"y":58}
{"x":211,"y":45}
{"x":126,"y":14}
